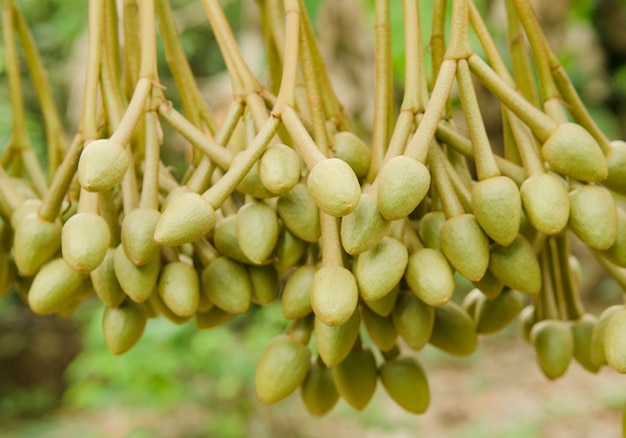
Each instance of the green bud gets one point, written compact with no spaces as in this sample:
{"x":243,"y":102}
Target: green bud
{"x":318,"y":390}
{"x":28,"y":207}
{"x":546,"y":202}
{"x":356,"y":377}
{"x":265,"y":284}
{"x":598,"y":353}
{"x":497,"y":206}
{"x":123,"y":326}
{"x":102,"y":165}
{"x":187,"y":218}
{"x":582,"y":330}
{"x":384,"y":305}
{"x":617,"y":252}
{"x":554,"y":345}
{"x":138,"y":235}
{"x":299,"y":213}
{"x":381,"y":268}
{"x":279,"y":168}
{"x":413,"y":319}
{"x":430,"y":276}
{"x":137,"y":281}
{"x":334,"y":187}
{"x":466,"y":246}
{"x":494,"y":315}
{"x":225,"y":239}
{"x":55,"y":285}
{"x":364,"y":227}
{"x":516,"y":266}
{"x":406,"y":383}
{"x":281,"y":369}
{"x":105,"y":282}
{"x":453,"y":331}
{"x":35,"y":242}
{"x":615,"y":341}
{"x":429,"y":228}
{"x":335,"y":342}
{"x":489,"y":285}
{"x":156,"y":302}
{"x":212,"y":318}
{"x":289,"y":250}
{"x":179,"y":288}
{"x":381,"y":329}
{"x":572,"y":151}
{"x":251,"y":184}
{"x":593,"y":216}
{"x":84,"y":241}
{"x":227,"y":284}
{"x":616,"y":163}
{"x":351,"y":149}
{"x":403,"y":182}
{"x":257,"y":231}
{"x":334,"y":295}
{"x":296,"y":298}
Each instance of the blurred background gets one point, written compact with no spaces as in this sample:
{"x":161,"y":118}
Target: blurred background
{"x":58,"y":379}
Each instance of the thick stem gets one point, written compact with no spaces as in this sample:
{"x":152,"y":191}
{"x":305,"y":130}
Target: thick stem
{"x":332,"y":107}
{"x":488,"y":45}
{"x":541,"y":125}
{"x":192,"y":101}
{"x":574,"y":308}
{"x":448,"y":135}
{"x":302,"y":141}
{"x":420,"y":143}
{"x":88,"y":202}
{"x":437,"y":36}
{"x":461,"y":189}
{"x":147,"y":69}
{"x":538,"y":45}
{"x":220,"y":156}
{"x":414,"y":67}
{"x":218,"y":193}
{"x":459,"y":46}
{"x":55,"y":138}
{"x":576,"y":107}
{"x":20,"y":141}
{"x":108,"y":211}
{"x":486,"y":166}
{"x":557,"y":278}
{"x":130,"y":190}
{"x":383,"y":89}
{"x":132,"y":50}
{"x":529,"y":153}
{"x":150,"y":186}
{"x":313,"y":94}
{"x":286,"y":92}
{"x":134,"y":112}
{"x":200,"y":179}
{"x":449,"y":200}
{"x":522,"y":69}
{"x":50,"y":207}
{"x":243,"y":80}
{"x":545,"y":307}
{"x":331,"y":244}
